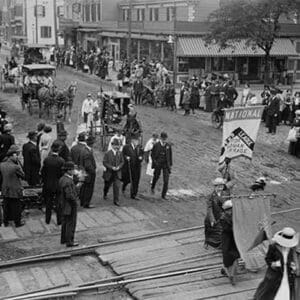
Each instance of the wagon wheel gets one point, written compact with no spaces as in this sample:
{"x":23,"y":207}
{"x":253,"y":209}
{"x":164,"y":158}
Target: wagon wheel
{"x":216,"y":120}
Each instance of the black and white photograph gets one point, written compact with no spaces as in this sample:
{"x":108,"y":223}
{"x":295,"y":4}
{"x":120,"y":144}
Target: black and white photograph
{"x":149,"y":149}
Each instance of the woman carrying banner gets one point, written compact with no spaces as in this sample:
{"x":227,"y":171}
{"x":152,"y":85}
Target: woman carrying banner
{"x":229,"y":248}
{"x":212,"y":225}
{"x":279,"y":280}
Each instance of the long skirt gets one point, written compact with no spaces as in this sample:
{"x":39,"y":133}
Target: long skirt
{"x":212,"y":234}
{"x":229,"y":249}
{"x":294,"y":148}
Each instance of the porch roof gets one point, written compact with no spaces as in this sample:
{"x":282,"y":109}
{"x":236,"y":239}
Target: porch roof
{"x":196,"y":47}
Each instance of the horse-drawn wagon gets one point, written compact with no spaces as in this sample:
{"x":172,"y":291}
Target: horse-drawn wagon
{"x":39,"y":91}
{"x":116,"y":105}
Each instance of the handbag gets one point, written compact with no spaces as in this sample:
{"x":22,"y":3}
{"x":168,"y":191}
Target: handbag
{"x":292,"y":136}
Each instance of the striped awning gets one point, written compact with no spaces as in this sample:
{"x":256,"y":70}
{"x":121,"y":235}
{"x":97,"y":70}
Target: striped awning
{"x":196,"y":47}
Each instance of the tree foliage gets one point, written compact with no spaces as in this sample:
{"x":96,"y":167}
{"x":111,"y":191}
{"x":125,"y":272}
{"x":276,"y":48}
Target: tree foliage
{"x":256,"y":21}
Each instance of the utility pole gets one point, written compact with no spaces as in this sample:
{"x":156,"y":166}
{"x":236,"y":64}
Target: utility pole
{"x":175,"y":46}
{"x":36,"y":22}
{"x":129,"y":32}
{"x":55,"y":22}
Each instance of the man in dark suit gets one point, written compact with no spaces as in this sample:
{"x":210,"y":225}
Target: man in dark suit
{"x":6,"y":140}
{"x":68,"y":198}
{"x":273,"y":111}
{"x":64,"y":151}
{"x":161,"y":161}
{"x":113,"y":162}
{"x":138,"y":88}
{"x":12,"y":191}
{"x":131,"y":171}
{"x":32,"y":162}
{"x":51,"y":173}
{"x":77,"y":150}
{"x":89,"y":165}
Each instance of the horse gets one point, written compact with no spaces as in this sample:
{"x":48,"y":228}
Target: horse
{"x":46,"y":97}
{"x":12,"y":76}
{"x":64,"y":100}
{"x":70,"y":94}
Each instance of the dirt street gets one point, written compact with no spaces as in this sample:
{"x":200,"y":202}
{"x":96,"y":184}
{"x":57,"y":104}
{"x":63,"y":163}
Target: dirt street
{"x":196,"y":147}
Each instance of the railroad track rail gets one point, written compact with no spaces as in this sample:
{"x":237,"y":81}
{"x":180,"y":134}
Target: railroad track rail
{"x":202,"y":268}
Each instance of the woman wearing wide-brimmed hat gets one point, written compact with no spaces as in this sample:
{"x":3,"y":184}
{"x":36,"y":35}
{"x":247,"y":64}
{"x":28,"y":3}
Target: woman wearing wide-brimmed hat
{"x":279,"y":280}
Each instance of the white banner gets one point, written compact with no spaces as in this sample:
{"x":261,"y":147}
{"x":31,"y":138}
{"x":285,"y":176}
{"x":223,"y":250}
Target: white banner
{"x":240,"y":130}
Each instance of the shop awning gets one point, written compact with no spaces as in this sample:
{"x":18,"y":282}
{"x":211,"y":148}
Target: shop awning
{"x":196,"y":47}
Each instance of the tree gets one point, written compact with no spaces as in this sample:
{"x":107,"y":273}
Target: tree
{"x":256,"y":21}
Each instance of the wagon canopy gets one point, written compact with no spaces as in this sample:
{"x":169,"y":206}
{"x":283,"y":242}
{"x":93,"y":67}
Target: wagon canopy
{"x":116,"y":95}
{"x":38,"y":67}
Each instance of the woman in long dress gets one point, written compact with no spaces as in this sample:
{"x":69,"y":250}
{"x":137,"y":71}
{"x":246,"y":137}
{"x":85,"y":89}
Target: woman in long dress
{"x":279,"y":280}
{"x":147,"y":153}
{"x":45,"y":143}
{"x":212,"y":225}
{"x":229,"y":249}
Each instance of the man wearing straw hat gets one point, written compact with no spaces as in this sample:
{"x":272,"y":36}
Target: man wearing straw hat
{"x":279,"y":280}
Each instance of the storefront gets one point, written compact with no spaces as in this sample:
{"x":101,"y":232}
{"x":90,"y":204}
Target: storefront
{"x":240,"y":61}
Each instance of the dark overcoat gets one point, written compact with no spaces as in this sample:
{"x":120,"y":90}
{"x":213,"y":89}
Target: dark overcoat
{"x":52,"y":172}
{"x":110,"y":161}
{"x":269,"y":286}
{"x":32,"y":163}
{"x":76,"y":153}
{"x":6,"y":140}
{"x":12,"y":174}
{"x":157,"y":148}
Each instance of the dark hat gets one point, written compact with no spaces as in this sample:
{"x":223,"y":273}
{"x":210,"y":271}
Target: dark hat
{"x":41,"y":126}
{"x":163,"y":136}
{"x":13,"y":149}
{"x":55,"y":146}
{"x":47,"y":129}
{"x":115,"y":142}
{"x":134,"y":136}
{"x":31,"y":134}
{"x":69,"y":165}
{"x":63,"y":133}
{"x":90,"y":140}
{"x":82,"y":137}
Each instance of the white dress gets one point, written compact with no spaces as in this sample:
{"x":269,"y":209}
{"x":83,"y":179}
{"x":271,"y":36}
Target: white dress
{"x":45,"y":146}
{"x":148,"y":148}
{"x":283,"y":292}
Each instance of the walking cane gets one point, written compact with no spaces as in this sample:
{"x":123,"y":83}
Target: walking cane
{"x":130,"y":175}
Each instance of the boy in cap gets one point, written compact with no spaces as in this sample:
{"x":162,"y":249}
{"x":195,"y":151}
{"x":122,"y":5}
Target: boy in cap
{"x":68,"y":199}
{"x":162,"y":161}
{"x":32,"y":162}
{"x":12,"y":190}
{"x":113,"y":162}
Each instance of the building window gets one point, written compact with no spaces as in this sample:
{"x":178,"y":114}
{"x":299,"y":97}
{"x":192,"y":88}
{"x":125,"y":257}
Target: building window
{"x":141,"y":14}
{"x":39,"y":10}
{"x":298,"y":47}
{"x":125,"y":14}
{"x":46,"y":32}
{"x":170,"y":13}
{"x":18,"y":10}
{"x":87,"y":12}
{"x":154,"y":14}
{"x":60,"y":11}
{"x":94,"y":12}
{"x":99,"y":11}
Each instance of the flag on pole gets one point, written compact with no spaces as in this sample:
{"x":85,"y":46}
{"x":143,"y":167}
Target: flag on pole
{"x":252,"y":222}
{"x":240,"y":128}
